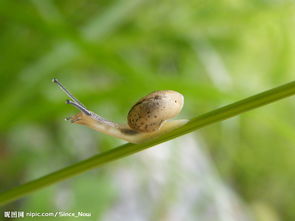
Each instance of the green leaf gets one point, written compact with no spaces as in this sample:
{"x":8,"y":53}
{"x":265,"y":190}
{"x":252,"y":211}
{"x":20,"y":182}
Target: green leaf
{"x":214,"y":116}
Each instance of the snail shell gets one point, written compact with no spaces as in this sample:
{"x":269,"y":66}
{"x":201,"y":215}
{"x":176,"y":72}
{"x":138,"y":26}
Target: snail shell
{"x":148,"y":114}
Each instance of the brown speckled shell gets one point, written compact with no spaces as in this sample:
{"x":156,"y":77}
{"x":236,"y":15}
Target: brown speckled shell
{"x":150,"y":112}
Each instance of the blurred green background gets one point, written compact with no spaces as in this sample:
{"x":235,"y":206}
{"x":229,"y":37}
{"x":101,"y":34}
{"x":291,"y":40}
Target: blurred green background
{"x":111,"y":53}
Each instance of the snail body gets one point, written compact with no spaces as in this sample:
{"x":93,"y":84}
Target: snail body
{"x":146,"y":119}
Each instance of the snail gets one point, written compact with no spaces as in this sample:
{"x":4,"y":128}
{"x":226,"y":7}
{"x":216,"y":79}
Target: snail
{"x":147,"y":118}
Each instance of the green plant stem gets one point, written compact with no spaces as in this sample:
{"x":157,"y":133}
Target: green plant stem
{"x":127,"y":149}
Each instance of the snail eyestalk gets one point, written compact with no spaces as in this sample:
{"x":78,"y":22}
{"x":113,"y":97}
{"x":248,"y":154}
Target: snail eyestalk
{"x":54,"y":80}
{"x":81,"y":108}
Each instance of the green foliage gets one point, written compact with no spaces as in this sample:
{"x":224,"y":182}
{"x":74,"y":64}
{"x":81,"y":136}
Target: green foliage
{"x":110,"y":53}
